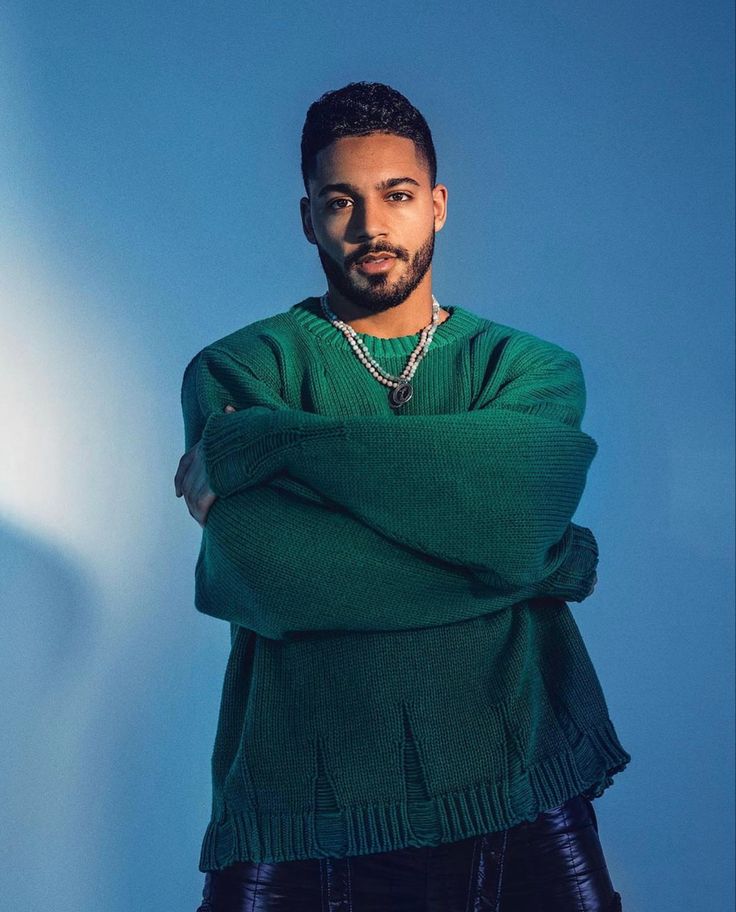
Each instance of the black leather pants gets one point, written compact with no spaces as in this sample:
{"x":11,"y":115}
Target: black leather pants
{"x":552,"y":864}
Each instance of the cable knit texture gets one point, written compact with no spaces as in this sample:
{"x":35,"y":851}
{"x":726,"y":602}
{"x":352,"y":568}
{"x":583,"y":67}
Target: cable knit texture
{"x":404,"y":668}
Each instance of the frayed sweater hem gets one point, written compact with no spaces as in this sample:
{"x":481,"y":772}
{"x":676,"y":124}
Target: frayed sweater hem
{"x":245,"y":835}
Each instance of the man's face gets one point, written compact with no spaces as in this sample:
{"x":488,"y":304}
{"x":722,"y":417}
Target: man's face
{"x":371,"y":195}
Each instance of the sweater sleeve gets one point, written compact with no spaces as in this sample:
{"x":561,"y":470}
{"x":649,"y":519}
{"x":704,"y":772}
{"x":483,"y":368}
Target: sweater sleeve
{"x":266,"y":547}
{"x":492,"y":490}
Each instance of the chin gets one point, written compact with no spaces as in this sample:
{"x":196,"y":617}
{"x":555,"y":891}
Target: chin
{"x":378,"y":299}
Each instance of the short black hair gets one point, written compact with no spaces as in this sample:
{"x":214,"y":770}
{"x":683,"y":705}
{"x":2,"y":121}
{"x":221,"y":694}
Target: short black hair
{"x":358,"y":109}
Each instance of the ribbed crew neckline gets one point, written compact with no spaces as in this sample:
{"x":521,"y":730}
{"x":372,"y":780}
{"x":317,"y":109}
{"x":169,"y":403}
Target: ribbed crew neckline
{"x":308,"y":313}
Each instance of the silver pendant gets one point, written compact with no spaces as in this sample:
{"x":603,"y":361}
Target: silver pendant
{"x":400,"y":394}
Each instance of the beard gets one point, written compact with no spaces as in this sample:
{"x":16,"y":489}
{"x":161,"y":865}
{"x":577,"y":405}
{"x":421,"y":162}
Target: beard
{"x":382,"y":292}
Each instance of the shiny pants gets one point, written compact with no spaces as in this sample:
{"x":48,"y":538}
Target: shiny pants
{"x":552,"y":864}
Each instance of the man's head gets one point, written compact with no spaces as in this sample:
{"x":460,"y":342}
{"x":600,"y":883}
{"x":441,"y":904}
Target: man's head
{"x":369,"y":169}
{"x":359,"y":109}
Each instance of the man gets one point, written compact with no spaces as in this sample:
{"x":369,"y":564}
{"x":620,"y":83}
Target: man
{"x":409,"y":718}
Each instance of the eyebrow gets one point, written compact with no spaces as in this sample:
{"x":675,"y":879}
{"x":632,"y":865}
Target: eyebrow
{"x":382,"y":185}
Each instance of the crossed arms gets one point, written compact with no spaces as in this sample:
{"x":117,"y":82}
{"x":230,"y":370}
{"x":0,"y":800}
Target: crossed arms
{"x":473,"y":507}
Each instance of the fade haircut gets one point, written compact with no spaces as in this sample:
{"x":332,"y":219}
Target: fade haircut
{"x":358,"y":109}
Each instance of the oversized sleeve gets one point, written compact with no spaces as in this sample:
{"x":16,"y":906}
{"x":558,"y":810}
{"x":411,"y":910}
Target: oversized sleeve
{"x":492,"y":490}
{"x":274,"y":546}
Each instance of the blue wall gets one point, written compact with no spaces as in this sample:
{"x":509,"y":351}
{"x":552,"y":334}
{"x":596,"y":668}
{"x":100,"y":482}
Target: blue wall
{"x":149,"y":188}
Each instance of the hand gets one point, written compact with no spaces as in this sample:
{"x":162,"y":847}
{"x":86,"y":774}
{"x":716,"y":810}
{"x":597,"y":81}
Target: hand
{"x":191,"y":481}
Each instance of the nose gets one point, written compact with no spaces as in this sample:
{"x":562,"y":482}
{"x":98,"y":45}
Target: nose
{"x":368,"y":220}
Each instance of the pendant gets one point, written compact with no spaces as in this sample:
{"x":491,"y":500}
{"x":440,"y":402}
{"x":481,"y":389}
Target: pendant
{"x":400,"y":394}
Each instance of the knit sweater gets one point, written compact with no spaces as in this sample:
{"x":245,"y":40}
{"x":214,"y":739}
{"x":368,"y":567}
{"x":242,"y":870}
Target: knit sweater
{"x":404,"y":667}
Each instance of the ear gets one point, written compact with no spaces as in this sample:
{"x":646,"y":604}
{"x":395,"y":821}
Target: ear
{"x":439,"y":198}
{"x":306,"y":215}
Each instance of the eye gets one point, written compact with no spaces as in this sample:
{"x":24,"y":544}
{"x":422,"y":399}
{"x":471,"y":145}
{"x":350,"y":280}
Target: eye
{"x":331,"y":204}
{"x":400,"y":193}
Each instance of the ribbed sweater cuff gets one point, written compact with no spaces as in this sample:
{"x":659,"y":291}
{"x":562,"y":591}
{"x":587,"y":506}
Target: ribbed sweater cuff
{"x":241,"y":448}
{"x":249,"y":446}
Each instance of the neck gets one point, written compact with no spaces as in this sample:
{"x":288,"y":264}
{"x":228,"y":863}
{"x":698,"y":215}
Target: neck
{"x":405,"y":319}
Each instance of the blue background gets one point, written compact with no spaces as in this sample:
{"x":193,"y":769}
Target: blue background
{"x":149,"y":194}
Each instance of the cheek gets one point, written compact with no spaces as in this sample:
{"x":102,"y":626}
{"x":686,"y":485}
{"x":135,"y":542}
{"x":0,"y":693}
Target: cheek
{"x":328,"y":234}
{"x":419,"y":220}
{"x":330,"y":249}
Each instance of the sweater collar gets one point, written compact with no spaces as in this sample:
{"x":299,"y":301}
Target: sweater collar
{"x":460,"y":323}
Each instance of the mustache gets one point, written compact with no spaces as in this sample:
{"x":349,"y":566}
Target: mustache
{"x":399,"y":253}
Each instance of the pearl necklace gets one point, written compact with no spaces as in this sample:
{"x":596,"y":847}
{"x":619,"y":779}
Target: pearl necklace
{"x":401,"y":388}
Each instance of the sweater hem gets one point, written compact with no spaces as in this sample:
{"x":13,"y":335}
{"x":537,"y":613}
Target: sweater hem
{"x":250,"y":836}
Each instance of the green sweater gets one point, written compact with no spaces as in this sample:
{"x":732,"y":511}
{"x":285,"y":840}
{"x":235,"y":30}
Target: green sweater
{"x":404,"y":667}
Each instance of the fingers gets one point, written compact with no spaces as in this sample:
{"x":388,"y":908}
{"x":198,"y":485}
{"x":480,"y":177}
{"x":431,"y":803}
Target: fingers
{"x":199,"y":507}
{"x":184,"y":464}
{"x":198,"y":496}
{"x":205,"y":505}
{"x":192,"y":483}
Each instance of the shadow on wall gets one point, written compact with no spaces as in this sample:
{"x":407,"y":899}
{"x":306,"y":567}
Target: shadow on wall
{"x":46,"y":644}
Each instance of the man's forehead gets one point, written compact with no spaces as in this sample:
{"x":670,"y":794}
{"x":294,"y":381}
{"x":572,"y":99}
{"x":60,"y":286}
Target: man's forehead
{"x":368,"y":160}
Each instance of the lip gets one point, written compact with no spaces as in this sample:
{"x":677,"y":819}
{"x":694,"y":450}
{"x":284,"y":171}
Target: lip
{"x":374,"y":266}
